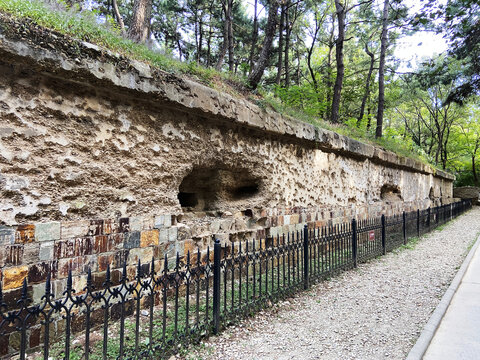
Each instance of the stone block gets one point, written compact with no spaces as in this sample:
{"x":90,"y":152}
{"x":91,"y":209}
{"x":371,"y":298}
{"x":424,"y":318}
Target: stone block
{"x":184,"y":232}
{"x":115,"y":241}
{"x":89,"y":262}
{"x":79,"y":284}
{"x":96,"y":227}
{"x":47,"y":231}
{"x":163,"y":236}
{"x":136,"y":223}
{"x":35,"y":339}
{"x":149,"y":238}
{"x":4,"y":340}
{"x":189,"y":246}
{"x":13,"y":254}
{"x":58,"y":287}
{"x":74,"y":229}
{"x":25,"y":234}
{"x":13,"y":277}
{"x":119,"y":258}
{"x":179,"y":248}
{"x":76,"y":265}
{"x":171,"y":252}
{"x":100,"y":244}
{"x":162,"y":221}
{"x":145,"y":255}
{"x":215,"y":226}
{"x":15,"y":341}
{"x":294,"y":219}
{"x":124,"y":225}
{"x":38,"y":292}
{"x":104,"y":261}
{"x":131,"y":240}
{"x":66,"y":248}
{"x":172,"y":234}
{"x":226,"y":225}
{"x":240,"y":224}
{"x":38,"y":273}
{"x":31,"y":253}
{"x":7,"y":235}
{"x":109,"y":226}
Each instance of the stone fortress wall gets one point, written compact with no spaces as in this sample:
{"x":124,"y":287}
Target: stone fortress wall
{"x":105,"y":160}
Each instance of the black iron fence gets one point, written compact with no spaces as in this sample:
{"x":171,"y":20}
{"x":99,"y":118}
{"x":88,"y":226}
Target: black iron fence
{"x":168,"y":305}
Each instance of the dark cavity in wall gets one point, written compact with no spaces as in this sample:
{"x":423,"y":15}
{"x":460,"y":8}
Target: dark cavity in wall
{"x":205,"y":189}
{"x":390,"y":192}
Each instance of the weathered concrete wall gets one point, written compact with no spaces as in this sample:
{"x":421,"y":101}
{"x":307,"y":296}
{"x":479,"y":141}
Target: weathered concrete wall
{"x":97,"y":155}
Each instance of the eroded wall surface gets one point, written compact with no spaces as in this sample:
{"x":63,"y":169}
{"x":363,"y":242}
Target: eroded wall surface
{"x":98,"y":170}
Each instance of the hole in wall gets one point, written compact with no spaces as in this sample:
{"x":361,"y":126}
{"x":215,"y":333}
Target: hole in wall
{"x":206,"y":189}
{"x":390,"y":192}
{"x":187,"y":199}
{"x":431,"y":194}
{"x":244,"y":192}
{"x":248,"y":212}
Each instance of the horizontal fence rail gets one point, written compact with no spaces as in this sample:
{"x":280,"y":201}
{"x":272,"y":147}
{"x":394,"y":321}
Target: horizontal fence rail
{"x":172,"y":303}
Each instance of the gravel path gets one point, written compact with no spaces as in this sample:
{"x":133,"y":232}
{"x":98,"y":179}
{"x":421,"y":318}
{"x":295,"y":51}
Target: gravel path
{"x":374,"y":312}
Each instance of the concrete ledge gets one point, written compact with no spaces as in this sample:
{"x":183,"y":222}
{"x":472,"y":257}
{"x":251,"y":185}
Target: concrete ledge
{"x":428,"y":332}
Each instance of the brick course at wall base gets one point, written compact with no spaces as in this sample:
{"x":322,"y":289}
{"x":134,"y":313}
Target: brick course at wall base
{"x":33,"y":251}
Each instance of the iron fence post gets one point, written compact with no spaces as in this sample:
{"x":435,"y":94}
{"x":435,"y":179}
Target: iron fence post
{"x":404,"y":216}
{"x":354,"y":242}
{"x":216,"y":286}
{"x":305,"y":257}
{"x":384,"y":240}
{"x":418,"y":222}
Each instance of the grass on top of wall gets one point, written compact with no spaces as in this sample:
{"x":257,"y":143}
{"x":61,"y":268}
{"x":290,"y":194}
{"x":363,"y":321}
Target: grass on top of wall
{"x":85,"y":26}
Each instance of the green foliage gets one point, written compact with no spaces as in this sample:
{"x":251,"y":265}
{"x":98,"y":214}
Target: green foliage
{"x":85,"y":26}
{"x":177,"y":27}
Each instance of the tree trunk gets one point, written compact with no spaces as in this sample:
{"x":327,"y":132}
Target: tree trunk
{"x":200,"y":39}
{"x":309,"y":58}
{"x":280,"y":45}
{"x":328,"y":80}
{"x":140,"y":25}
{"x":223,"y":50}
{"x":118,"y":17}
{"x":381,"y":71}
{"x":337,"y":89}
{"x":254,"y":36}
{"x":257,"y":73}
{"x":209,"y":44}
{"x":230,"y":35}
{"x":366,"y":94}
{"x":288,"y":31}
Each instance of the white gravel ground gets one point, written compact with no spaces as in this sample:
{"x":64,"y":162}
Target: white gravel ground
{"x":374,"y":312}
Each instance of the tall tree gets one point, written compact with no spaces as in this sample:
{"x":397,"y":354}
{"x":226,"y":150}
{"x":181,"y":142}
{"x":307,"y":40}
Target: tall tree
{"x":280,"y":44}
{"x":139,"y":28}
{"x":118,"y":16}
{"x":254,"y":35}
{"x":256,"y":74}
{"x":341,"y":12}
{"x":381,"y":70}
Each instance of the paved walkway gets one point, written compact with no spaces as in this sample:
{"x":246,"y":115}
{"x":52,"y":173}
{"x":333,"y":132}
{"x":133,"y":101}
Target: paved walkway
{"x":375,"y":312}
{"x":458,"y":336}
